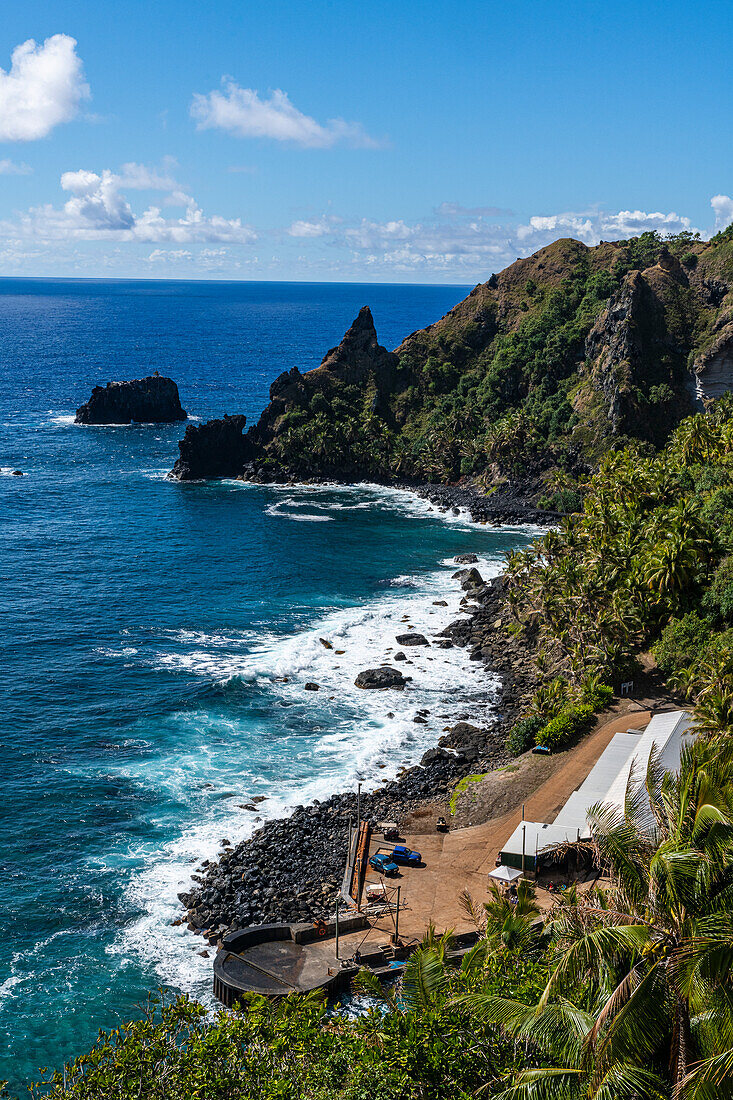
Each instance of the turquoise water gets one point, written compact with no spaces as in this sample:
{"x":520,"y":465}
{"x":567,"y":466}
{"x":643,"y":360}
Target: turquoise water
{"x":156,"y":637}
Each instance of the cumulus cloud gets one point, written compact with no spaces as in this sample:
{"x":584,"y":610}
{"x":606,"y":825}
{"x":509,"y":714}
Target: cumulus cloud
{"x":723,"y":207}
{"x":591,"y":228}
{"x":10,"y":168}
{"x":97,"y":209}
{"x":206,"y":259}
{"x":44,"y":87}
{"x":243,"y":112}
{"x":317,"y":227}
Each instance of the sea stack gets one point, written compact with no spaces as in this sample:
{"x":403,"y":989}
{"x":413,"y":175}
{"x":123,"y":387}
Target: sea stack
{"x":152,"y":400}
{"x":217,"y":448}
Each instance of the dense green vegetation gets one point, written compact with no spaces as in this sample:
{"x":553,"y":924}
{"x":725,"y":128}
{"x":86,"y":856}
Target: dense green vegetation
{"x":623,"y":991}
{"x":648,"y":561}
{"x":527,"y":374}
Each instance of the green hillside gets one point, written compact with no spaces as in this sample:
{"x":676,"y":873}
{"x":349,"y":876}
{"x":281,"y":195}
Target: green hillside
{"x":549,"y":364}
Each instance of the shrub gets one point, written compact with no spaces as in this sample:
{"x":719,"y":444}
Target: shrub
{"x":595,"y":693}
{"x":570,"y":723}
{"x":522,"y":734}
{"x":682,"y":643}
{"x":550,"y":698}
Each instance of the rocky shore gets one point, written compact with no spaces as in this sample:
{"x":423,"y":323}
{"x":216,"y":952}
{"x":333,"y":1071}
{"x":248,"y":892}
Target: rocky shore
{"x":291,"y":868}
{"x":511,"y":503}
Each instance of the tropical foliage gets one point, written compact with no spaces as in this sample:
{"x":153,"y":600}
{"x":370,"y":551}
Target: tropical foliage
{"x":646,"y":562}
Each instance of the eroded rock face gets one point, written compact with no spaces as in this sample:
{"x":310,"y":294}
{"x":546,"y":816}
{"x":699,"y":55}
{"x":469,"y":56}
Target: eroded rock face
{"x":359,"y":360}
{"x":217,"y":448}
{"x":714,"y":370}
{"x":638,"y":348}
{"x":152,"y":400}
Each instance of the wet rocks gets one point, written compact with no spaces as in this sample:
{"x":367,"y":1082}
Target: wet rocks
{"x":465,"y":559}
{"x":290,"y":868}
{"x":411,"y":639}
{"x":217,"y":448}
{"x":312,"y":687}
{"x":383,"y":677}
{"x":469,"y":578}
{"x":152,"y":400}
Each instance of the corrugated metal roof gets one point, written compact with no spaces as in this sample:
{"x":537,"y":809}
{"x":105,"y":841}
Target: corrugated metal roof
{"x":666,"y":733}
{"x":537,"y":837}
{"x":596,"y":786}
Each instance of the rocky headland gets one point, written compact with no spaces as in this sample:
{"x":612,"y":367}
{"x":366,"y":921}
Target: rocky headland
{"x":152,"y":400}
{"x":544,"y":367}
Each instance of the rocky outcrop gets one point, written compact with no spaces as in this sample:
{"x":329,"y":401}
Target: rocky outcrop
{"x":152,"y":400}
{"x":713,"y":369}
{"x":358,"y":364}
{"x":358,"y":361}
{"x":411,"y":639}
{"x":217,"y":448}
{"x":383,"y":677}
{"x":637,"y":353}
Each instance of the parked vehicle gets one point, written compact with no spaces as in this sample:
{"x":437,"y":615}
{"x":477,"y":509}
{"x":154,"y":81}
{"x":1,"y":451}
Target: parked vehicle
{"x":402,"y":854}
{"x":383,"y":863}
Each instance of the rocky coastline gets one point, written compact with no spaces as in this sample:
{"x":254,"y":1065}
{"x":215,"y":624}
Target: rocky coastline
{"x":290,"y":869}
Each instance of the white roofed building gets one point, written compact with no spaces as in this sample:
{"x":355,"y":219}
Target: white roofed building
{"x":607,"y":781}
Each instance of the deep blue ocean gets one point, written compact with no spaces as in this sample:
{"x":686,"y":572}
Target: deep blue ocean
{"x":155,"y":638}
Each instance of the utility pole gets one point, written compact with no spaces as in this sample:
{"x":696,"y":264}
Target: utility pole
{"x":524,"y":839}
{"x":396,"y":937}
{"x":337,"y":928}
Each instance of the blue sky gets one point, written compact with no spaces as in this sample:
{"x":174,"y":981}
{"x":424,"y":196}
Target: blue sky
{"x":411,"y":142}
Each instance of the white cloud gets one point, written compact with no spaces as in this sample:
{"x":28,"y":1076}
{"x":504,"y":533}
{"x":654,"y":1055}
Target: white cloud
{"x":467,"y":243}
{"x":723,"y":207}
{"x":10,"y":168}
{"x":44,"y":87}
{"x":242,"y":112}
{"x":98,"y":209}
{"x":455,"y":210}
{"x":318,"y":227}
{"x":168,"y":255}
{"x":594,"y":227}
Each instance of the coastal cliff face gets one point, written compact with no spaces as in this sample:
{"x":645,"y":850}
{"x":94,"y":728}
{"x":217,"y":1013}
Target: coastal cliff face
{"x":548,"y":364}
{"x":152,"y":400}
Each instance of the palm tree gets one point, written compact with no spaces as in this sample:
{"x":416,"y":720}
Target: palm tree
{"x":650,"y":968}
{"x":506,"y":926}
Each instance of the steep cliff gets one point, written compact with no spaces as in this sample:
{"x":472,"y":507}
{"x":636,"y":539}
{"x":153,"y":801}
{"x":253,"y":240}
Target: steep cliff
{"x":152,"y":400}
{"x":545,"y":365}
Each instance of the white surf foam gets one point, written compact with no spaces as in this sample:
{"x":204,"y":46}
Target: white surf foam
{"x":366,"y":735}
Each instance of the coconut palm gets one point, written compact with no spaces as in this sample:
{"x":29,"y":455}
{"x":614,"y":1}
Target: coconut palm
{"x":651,"y":968}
